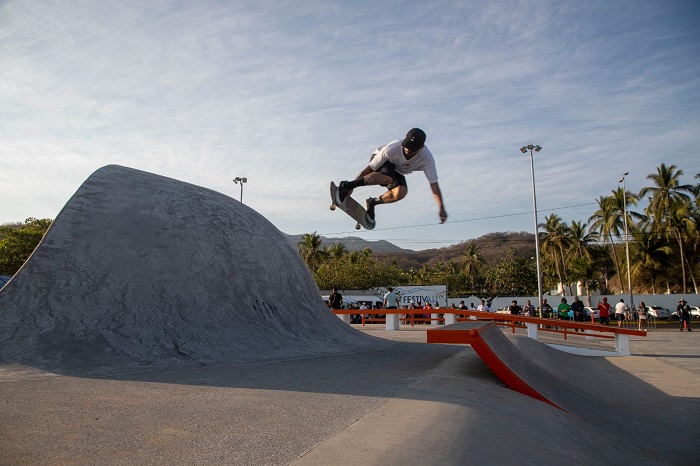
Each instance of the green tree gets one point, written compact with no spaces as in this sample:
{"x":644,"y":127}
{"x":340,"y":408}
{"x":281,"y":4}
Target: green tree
{"x":554,"y":241}
{"x":583,"y":269}
{"x":680,"y":224}
{"x":512,"y":276}
{"x":18,"y":243}
{"x":310,"y":250}
{"x":649,"y":255}
{"x":336,"y":251}
{"x":472,"y":263}
{"x":603,"y":222}
{"x":667,"y":198}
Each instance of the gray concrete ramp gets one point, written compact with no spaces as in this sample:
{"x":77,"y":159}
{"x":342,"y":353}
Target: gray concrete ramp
{"x":143,"y":270}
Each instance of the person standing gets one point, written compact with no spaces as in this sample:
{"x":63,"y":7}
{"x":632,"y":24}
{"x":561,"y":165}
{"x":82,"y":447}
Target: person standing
{"x":604,"y":311}
{"x":621,"y":310}
{"x":684,"y":315}
{"x":391,"y":299}
{"x":546,"y":309}
{"x":335,"y":300}
{"x":577,"y":309}
{"x":642,"y":314}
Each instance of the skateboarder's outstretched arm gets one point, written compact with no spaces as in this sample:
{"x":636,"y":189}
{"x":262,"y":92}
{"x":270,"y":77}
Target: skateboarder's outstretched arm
{"x":435,"y":188}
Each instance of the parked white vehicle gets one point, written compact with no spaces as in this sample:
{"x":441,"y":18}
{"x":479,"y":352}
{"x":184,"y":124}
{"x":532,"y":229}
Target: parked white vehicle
{"x":695,"y":312}
{"x":658,"y":312}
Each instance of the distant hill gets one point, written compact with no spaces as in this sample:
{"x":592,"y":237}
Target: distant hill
{"x":492,"y":247}
{"x":353,"y":243}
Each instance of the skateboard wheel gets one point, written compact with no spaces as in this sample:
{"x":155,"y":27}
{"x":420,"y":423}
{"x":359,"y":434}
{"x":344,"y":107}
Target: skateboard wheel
{"x":357,"y":227}
{"x":332,"y":206}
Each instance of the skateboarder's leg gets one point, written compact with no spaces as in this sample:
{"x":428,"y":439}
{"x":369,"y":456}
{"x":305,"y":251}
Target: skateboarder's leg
{"x":396,"y":191}
{"x":367,"y":177}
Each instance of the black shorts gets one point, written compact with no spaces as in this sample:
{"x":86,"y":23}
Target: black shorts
{"x":389,"y":169}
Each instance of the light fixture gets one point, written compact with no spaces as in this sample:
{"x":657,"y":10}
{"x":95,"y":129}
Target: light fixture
{"x":524,"y":150}
{"x":240,"y":180}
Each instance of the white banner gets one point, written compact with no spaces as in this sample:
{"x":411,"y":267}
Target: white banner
{"x":419,"y":294}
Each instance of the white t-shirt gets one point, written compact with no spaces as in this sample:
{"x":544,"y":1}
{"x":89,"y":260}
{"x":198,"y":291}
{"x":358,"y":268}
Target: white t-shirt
{"x":620,"y":308}
{"x":393,"y":152}
{"x":483,"y":308}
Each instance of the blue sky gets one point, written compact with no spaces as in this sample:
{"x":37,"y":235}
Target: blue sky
{"x":293,"y":94}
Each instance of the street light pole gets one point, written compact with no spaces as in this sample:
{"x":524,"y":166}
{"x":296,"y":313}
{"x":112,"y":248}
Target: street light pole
{"x":240,"y":180}
{"x":524,"y":150}
{"x":627,"y":239}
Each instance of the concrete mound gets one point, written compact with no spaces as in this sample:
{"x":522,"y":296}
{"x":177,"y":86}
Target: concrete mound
{"x":143,"y":270}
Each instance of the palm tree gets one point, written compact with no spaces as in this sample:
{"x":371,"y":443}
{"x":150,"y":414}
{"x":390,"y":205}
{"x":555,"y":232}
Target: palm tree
{"x":580,"y":238}
{"x":554,"y":242}
{"x":665,"y":200}
{"x":582,"y":264}
{"x":310,"y":250}
{"x":650,"y":254}
{"x":603,"y":222}
{"x":472,"y":262}
{"x":583,"y":270}
{"x":337,"y":251}
{"x":621,"y":200}
{"x":666,"y":189}
{"x":680,"y":223}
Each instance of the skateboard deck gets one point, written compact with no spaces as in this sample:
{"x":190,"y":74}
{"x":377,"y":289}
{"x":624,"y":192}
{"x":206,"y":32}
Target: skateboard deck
{"x":353,"y":209}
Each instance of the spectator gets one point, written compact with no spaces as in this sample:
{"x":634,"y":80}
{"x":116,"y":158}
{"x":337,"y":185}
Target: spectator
{"x":642,"y":313}
{"x":528,"y":309}
{"x":391,"y":299}
{"x":483,"y":307}
{"x":684,"y":315}
{"x":514,"y":308}
{"x":577,"y":309}
{"x":364,"y":307}
{"x":563,"y":309}
{"x":546,"y":309}
{"x":335,"y":300}
{"x":621,"y":310}
{"x":604,"y":311}
{"x":471,"y":307}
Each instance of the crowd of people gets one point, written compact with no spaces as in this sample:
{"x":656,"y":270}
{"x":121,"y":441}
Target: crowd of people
{"x":564,"y":311}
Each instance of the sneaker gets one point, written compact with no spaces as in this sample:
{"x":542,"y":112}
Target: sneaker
{"x":342,"y":193}
{"x":369,"y":205}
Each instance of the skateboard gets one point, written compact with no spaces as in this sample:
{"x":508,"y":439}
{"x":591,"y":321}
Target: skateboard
{"x":353,"y":209}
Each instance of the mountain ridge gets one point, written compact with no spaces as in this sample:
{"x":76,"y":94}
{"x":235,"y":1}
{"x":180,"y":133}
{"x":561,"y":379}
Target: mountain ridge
{"x":492,"y":247}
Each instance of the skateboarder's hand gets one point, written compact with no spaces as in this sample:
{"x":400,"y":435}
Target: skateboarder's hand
{"x":443,"y":215}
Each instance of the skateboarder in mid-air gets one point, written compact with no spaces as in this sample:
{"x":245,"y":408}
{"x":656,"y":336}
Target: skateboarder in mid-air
{"x":388,"y":166}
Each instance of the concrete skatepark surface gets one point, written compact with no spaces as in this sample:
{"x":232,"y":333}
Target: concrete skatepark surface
{"x":142,"y":270}
{"x":153,"y":346}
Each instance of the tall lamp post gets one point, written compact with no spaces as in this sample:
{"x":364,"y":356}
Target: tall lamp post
{"x":627,"y":239}
{"x":240,"y":180}
{"x":524,"y":150}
